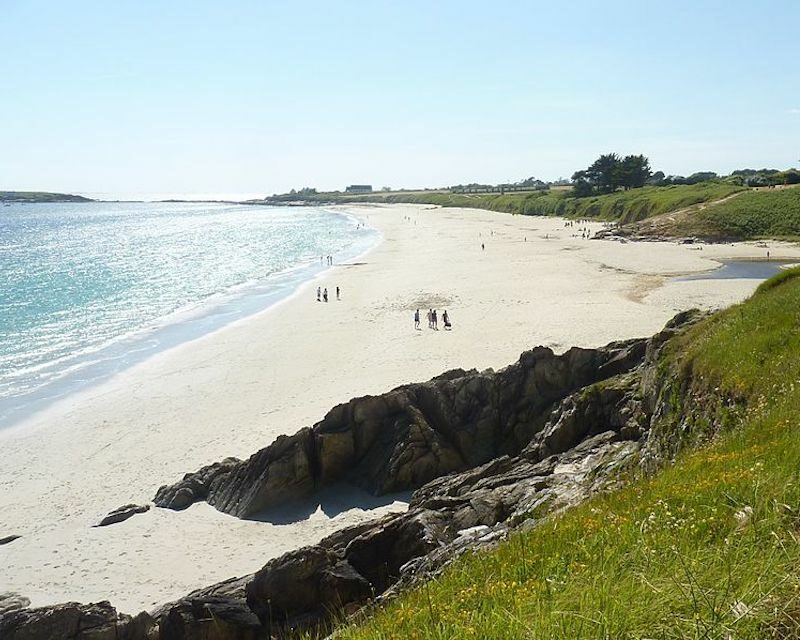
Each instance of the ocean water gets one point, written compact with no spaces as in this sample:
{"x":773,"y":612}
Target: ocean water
{"x":746,"y":269}
{"x":88,"y":289}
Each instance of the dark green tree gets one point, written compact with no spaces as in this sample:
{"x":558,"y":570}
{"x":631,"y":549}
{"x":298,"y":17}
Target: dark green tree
{"x":790,"y":176}
{"x":701,"y":176}
{"x":582,"y":186}
{"x":610,"y":172}
{"x":604,"y":172}
{"x":633,"y":172}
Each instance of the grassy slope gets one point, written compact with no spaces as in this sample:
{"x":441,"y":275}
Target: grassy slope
{"x":625,"y":206}
{"x":756,"y":214}
{"x":667,"y":556}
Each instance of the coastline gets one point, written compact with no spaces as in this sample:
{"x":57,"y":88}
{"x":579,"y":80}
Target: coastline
{"x":183,"y":325}
{"x":233,"y":390}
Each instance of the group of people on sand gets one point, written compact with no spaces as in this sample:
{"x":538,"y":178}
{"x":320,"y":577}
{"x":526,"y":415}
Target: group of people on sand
{"x":585,"y":232}
{"x":433,"y":320}
{"x":322,"y":294}
{"x":328,"y":260}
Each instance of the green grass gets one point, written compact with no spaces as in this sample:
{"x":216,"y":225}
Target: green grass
{"x":707,"y":548}
{"x":756,"y":214}
{"x":624,"y":206}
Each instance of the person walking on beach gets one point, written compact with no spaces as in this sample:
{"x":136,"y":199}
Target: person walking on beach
{"x":483,"y":247}
{"x":325,"y":294}
{"x":430,"y":318}
{"x":338,"y":296}
{"x":319,"y":293}
{"x":416,"y":319}
{"x":435,"y":321}
{"x":446,"y":320}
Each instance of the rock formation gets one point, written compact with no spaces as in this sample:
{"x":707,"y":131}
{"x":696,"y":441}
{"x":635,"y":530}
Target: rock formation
{"x":70,"y":621}
{"x":121,"y":514}
{"x":485,"y":452}
{"x":402,"y":439}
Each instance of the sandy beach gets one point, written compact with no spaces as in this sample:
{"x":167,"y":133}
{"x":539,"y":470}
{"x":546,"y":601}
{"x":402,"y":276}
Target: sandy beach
{"x":233,"y":391}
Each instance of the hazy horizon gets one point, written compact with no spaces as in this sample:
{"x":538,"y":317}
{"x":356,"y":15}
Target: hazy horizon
{"x":255,"y":98}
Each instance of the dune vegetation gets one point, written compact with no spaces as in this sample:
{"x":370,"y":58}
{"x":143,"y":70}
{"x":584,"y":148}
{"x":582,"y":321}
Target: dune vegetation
{"x":754,"y":214}
{"x":622,"y":206}
{"x":705,"y":548}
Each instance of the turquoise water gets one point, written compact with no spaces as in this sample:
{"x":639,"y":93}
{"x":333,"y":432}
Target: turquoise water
{"x":88,"y":289}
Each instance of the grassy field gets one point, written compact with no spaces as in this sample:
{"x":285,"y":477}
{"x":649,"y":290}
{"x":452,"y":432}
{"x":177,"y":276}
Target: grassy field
{"x":624,"y":206}
{"x":755,"y":214}
{"x":707,"y":548}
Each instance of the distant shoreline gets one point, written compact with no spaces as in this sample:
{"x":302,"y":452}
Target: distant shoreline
{"x":46,"y":197}
{"x":33,"y":197}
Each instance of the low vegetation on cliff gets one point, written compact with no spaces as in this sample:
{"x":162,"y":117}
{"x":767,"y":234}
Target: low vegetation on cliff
{"x":754,"y":214}
{"x":706,"y":548}
{"x":622,"y":206}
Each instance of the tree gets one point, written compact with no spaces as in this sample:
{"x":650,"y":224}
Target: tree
{"x":633,"y":171}
{"x":791,"y":176}
{"x":701,"y":176}
{"x":610,"y":172}
{"x":582,"y":186}
{"x":657,"y":179}
{"x":604,"y":172}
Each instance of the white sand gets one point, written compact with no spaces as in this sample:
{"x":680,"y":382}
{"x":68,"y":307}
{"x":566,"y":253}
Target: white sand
{"x":233,"y":391}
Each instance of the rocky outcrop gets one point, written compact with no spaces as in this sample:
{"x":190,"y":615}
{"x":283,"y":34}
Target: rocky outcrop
{"x":485,"y":452}
{"x":72,"y":621}
{"x":219,"y":612}
{"x":194,"y":486}
{"x":12,"y":602}
{"x":405,"y":438}
{"x":307,"y":589}
{"x":121,"y":514}
{"x":506,"y":448}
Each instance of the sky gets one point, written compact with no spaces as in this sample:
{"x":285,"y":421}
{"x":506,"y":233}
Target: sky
{"x":196,"y":96}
